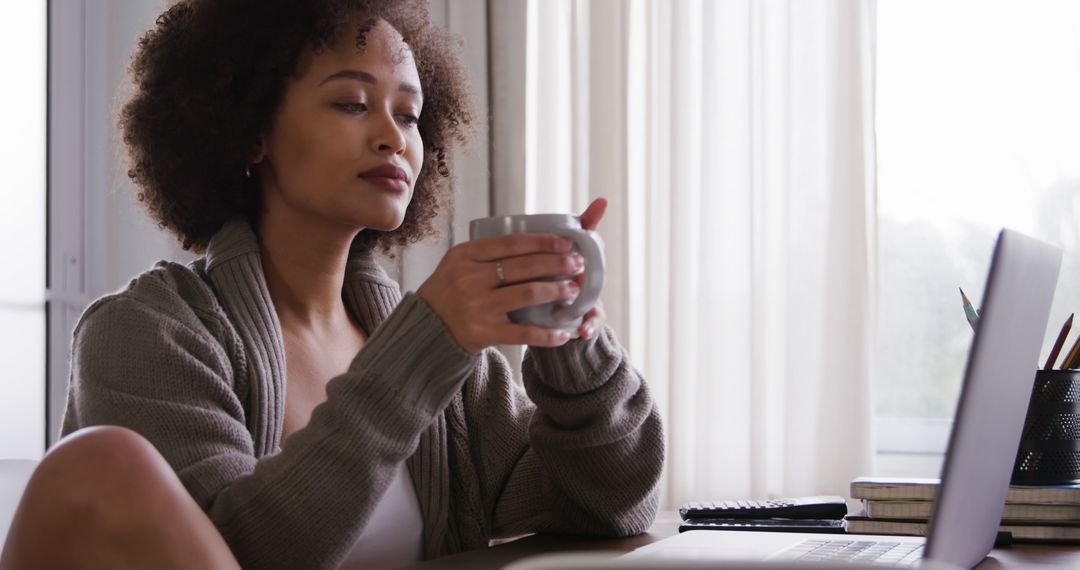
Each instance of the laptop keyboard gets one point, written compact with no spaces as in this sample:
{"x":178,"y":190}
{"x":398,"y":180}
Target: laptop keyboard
{"x":885,"y":553}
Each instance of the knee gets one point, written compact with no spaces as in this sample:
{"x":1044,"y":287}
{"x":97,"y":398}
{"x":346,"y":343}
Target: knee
{"x":111,"y":499}
{"x":102,"y":464}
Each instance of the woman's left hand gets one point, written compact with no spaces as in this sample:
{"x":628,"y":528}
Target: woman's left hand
{"x":594,"y":320}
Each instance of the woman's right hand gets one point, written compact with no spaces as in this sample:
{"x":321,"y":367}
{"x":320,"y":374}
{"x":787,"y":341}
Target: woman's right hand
{"x":466,"y":290}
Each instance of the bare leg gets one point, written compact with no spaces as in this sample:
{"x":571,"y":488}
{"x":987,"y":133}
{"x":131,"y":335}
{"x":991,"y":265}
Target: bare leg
{"x":105,"y":498}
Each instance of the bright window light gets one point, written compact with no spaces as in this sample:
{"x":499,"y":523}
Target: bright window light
{"x":978,"y":125}
{"x":22,"y":230}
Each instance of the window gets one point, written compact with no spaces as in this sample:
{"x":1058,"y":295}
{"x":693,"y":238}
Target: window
{"x":978,"y":123}
{"x":22,"y":232}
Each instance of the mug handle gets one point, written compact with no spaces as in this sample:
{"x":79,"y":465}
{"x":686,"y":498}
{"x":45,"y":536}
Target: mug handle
{"x":588,"y":244}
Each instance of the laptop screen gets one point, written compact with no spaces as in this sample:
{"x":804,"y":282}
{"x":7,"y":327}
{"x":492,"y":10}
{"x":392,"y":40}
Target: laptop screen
{"x":993,"y":400}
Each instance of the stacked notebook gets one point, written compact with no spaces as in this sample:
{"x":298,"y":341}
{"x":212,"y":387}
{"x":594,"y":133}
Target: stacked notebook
{"x":1046,"y":513}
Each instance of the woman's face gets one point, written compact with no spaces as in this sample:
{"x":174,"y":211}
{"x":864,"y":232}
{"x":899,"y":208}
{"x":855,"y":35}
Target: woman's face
{"x":344,"y":146}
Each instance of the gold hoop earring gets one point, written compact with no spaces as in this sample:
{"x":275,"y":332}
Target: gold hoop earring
{"x":247,"y":170}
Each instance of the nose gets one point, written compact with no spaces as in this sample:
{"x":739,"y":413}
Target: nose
{"x":387,"y":136}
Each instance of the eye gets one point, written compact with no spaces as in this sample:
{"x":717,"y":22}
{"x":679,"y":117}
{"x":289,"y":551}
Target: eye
{"x":409,"y":120}
{"x":353,"y":108}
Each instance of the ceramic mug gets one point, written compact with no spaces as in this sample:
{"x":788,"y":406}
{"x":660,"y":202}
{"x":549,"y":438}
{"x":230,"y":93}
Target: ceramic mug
{"x":560,"y":314}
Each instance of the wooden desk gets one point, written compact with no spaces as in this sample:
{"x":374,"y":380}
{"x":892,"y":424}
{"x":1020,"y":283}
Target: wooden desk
{"x":1043,"y":557}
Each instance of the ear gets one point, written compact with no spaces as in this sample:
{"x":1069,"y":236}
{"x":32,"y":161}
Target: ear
{"x":259,"y":151}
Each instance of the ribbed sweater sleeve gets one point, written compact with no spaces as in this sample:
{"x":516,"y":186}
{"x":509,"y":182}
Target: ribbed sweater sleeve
{"x":586,"y":459}
{"x":154,"y":367}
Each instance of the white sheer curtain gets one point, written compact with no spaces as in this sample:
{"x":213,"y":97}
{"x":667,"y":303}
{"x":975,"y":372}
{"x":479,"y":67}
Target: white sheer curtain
{"x":760,"y":183}
{"x":735,"y":141}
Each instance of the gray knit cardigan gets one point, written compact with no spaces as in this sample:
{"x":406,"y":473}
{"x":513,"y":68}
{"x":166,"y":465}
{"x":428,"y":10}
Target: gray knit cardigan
{"x":192,"y":358}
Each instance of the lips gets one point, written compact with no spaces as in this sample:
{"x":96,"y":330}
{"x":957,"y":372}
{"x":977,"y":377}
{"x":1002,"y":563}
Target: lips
{"x":388,"y":176}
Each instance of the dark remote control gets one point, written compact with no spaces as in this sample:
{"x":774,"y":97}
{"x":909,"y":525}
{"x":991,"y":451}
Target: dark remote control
{"x":828,"y":507}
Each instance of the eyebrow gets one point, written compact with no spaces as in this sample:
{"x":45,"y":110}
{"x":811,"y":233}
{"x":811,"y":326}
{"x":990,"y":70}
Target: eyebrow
{"x":365,"y":77}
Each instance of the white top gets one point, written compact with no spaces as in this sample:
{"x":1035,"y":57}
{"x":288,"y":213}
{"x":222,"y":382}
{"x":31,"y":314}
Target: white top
{"x":394,"y":535}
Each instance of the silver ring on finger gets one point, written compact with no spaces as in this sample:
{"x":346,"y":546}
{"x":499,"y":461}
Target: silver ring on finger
{"x":500,"y":273}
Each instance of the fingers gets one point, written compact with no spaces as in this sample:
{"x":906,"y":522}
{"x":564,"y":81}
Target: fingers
{"x":534,"y":336}
{"x":592,"y":215}
{"x":514,"y":297}
{"x":530,"y":267}
{"x":479,"y":282}
{"x":501,"y":330}
{"x":514,"y":245}
{"x":463,"y":269}
{"x":593,"y":322}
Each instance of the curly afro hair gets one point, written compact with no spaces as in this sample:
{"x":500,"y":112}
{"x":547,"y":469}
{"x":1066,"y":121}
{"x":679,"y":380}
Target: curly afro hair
{"x":209,"y":77}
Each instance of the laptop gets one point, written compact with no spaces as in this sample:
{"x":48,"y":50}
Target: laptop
{"x":982,"y":447}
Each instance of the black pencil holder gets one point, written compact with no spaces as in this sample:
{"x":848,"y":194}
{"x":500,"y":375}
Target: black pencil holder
{"x":1049,"y":451}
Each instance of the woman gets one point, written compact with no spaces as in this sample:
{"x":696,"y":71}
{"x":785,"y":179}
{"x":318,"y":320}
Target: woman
{"x":278,"y":403}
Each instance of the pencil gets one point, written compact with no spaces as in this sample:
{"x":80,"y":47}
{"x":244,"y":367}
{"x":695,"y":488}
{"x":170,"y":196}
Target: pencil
{"x":1074,"y":355}
{"x":972,"y":315}
{"x":1058,"y":344}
